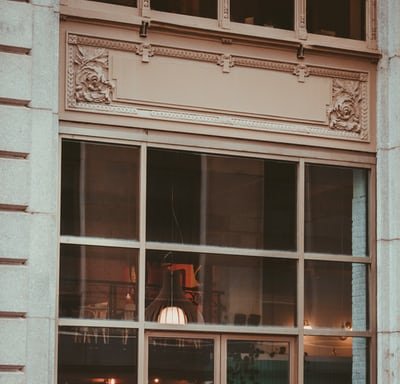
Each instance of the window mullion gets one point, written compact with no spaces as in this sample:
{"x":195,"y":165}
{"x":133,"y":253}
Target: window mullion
{"x":224,"y":14}
{"x":300,"y":269}
{"x":300,"y":19}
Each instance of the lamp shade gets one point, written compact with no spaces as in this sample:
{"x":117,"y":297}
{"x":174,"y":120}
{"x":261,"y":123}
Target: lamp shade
{"x":172,"y":315}
{"x":171,"y":295}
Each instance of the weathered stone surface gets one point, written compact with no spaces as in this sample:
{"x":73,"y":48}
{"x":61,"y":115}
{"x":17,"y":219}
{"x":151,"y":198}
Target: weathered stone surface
{"x":15,"y":77}
{"x":16,"y":24}
{"x":13,"y":342}
{"x":15,"y":129}
{"x":13,"y":288}
{"x":14,"y":176}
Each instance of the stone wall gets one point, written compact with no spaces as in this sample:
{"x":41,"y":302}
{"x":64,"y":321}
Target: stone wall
{"x":28,"y":193}
{"x":388,"y":193}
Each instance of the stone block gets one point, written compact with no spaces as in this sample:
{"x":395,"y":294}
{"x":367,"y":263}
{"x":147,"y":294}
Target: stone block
{"x":388,"y":367}
{"x":15,"y":77}
{"x":15,"y":129}
{"x":393,"y":100}
{"x":382,"y":208}
{"x":14,"y":176}
{"x":43,"y":266}
{"x":44,"y":168}
{"x":15,"y":235}
{"x":40,"y":349}
{"x":45,"y":58}
{"x":12,"y":378}
{"x":388,"y":286}
{"x":13,"y":288}
{"x":13,"y":342}
{"x":392,"y":216}
{"x":16,"y":24}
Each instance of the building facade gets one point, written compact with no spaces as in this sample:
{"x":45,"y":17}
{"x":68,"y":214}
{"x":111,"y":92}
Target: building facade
{"x":198,"y":192}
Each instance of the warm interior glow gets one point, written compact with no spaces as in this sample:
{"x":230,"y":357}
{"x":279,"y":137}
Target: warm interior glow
{"x":307,"y":325}
{"x":172,"y":315}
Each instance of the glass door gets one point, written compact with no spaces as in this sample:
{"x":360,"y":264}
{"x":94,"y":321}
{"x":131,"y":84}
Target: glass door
{"x":219,"y":359}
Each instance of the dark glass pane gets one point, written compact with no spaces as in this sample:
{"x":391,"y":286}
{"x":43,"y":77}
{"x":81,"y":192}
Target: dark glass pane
{"x":250,"y":361}
{"x":97,"y":355}
{"x":201,"y":8}
{"x":129,"y":3}
{"x":336,"y":210}
{"x":181,"y":360}
{"x":336,"y":295}
{"x":222,"y":289}
{"x":219,"y":200}
{"x":98,"y":282}
{"x":331,"y":360}
{"x":341,"y":18}
{"x":270,"y":13}
{"x":99,"y":190}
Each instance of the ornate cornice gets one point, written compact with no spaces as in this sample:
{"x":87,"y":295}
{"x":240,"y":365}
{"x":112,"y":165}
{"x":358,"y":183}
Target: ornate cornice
{"x":89,"y":88}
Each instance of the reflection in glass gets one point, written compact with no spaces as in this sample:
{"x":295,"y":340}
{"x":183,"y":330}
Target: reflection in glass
{"x":336,"y":360}
{"x":98,"y":282}
{"x":336,"y":295}
{"x":250,"y":361}
{"x":201,"y":8}
{"x":99,"y":190}
{"x":269,"y":13}
{"x":336,"y":214}
{"x":97,"y":355}
{"x":220,"y":200}
{"x":340,"y":18}
{"x":222,"y":289}
{"x":181,"y":360}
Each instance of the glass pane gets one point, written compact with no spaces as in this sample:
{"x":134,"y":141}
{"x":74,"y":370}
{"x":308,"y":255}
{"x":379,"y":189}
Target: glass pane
{"x":129,"y":3}
{"x":181,"y":360}
{"x":99,"y":190}
{"x":336,"y":295}
{"x":336,"y":210}
{"x":97,"y":355}
{"x":251,"y":361}
{"x":341,"y":18}
{"x":331,"y":360}
{"x":98,"y":282}
{"x":222,"y":289}
{"x":201,"y":8}
{"x":219,"y":200}
{"x":269,"y":13}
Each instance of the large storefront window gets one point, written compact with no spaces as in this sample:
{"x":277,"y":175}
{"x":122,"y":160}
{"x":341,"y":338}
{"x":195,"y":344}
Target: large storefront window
{"x":181,"y":266}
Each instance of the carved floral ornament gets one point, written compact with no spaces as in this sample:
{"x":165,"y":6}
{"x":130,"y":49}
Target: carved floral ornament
{"x":91,"y":71}
{"x":344,"y":114}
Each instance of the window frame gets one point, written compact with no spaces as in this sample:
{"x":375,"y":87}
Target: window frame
{"x":223,"y":24}
{"x":301,"y":156}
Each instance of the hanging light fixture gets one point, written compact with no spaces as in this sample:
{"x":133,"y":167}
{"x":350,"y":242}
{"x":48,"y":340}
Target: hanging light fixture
{"x":171,"y":306}
{"x":172,"y":314}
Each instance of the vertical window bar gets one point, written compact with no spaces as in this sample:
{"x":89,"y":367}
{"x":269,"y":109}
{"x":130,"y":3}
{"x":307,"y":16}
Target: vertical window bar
{"x":300,"y":19}
{"x":142,"y":363}
{"x":144,"y":8}
{"x":371,"y":23}
{"x":224,"y":17}
{"x":300,"y":269}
